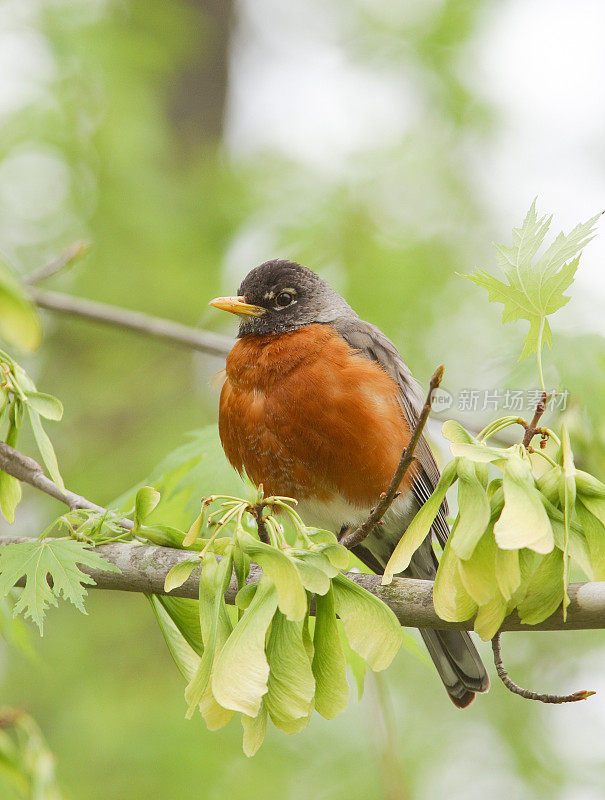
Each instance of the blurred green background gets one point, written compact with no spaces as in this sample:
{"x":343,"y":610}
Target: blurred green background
{"x":384,"y":144}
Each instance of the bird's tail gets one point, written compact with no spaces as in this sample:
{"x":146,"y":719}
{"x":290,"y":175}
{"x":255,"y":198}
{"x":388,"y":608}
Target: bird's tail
{"x":458,"y":664}
{"x":453,"y":653}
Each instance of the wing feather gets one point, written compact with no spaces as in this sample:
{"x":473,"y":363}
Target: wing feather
{"x":372,"y":343}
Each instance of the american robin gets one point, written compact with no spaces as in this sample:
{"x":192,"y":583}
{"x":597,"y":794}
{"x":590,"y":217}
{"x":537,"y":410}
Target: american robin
{"x":317,"y":405}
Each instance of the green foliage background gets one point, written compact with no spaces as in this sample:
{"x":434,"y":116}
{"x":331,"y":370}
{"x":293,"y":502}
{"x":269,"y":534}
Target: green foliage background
{"x":170,"y":217}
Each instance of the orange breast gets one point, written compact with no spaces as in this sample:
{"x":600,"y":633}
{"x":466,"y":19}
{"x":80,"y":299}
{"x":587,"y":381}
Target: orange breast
{"x":306,"y":415}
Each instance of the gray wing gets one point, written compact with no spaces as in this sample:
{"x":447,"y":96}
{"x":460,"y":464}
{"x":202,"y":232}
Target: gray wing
{"x":453,"y":652}
{"x":372,"y":342}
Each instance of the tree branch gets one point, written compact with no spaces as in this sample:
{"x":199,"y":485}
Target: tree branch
{"x":352,"y":539}
{"x":29,"y":471}
{"x":58,"y":264}
{"x":174,"y":332}
{"x":528,"y":694}
{"x":144,"y":569}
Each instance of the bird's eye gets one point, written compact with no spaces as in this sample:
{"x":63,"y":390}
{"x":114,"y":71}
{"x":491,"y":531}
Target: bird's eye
{"x":284,"y":299}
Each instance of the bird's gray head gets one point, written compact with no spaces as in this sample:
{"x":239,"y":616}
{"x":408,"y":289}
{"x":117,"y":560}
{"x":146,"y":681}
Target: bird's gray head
{"x":281,"y":296}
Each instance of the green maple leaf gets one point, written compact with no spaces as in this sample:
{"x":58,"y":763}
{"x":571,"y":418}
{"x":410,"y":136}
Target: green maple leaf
{"x":536,"y":286}
{"x":44,"y":558}
{"x":19,"y":319}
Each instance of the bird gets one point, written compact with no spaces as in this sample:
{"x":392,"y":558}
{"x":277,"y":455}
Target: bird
{"x":318,"y":405}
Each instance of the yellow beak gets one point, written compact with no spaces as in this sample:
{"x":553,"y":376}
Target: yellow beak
{"x":237,"y":305}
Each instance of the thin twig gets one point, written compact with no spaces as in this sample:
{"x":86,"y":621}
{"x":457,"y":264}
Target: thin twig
{"x":407,"y":457}
{"x":174,"y":332}
{"x":66,"y":259}
{"x":532,"y":429}
{"x":527,"y":693}
{"x":29,"y":471}
{"x":261,"y":525}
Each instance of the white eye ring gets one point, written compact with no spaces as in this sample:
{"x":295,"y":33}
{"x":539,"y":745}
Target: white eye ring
{"x":284,"y":299}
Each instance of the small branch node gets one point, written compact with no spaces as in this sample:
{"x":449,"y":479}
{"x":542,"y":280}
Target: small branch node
{"x":532,"y":429}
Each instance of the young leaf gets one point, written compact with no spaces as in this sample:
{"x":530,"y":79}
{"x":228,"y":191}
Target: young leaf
{"x":534,"y":291}
{"x":195,"y":529}
{"x":174,"y":617}
{"x":451,"y":600}
{"x":185,"y":614}
{"x":254,"y":731}
{"x":58,"y":558}
{"x":528,"y":564}
{"x":588,"y":485}
{"x":10,"y":488}
{"x":371,"y":627}
{"x":282,"y":571}
{"x":327,"y":544}
{"x":318,"y":560}
{"x":356,"y":663}
{"x":548,"y":484}
{"x":313,"y":579}
{"x":577,"y":545}
{"x":215,"y":716}
{"x":594,"y":533}
{"x":19,"y":320}
{"x":473,"y":509}
{"x":241,"y":670}
{"x":241,"y":566}
{"x":45,"y":404}
{"x":244,"y":597}
{"x":508,"y":572}
{"x":482,"y":453}
{"x":478,"y":573}
{"x":167,"y":536}
{"x":523,"y":521}
{"x":454,"y":432}
{"x":146,"y":500}
{"x":196,"y":469}
{"x":329,"y":664}
{"x":179,"y":573}
{"x":45,"y":447}
{"x":186,"y":659}
{"x":545,"y":590}
{"x":567,"y":496}
{"x":307,"y":638}
{"x":490,"y":616}
{"x":420,"y":526}
{"x":215,"y":626}
{"x":291,"y":684}
{"x":596,"y":506}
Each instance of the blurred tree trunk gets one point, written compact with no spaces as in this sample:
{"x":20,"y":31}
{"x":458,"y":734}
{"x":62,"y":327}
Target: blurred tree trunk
{"x":198,"y":91}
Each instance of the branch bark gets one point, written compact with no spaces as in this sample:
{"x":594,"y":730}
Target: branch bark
{"x":144,"y":569}
{"x":29,"y":471}
{"x":532,"y":429}
{"x":58,"y":264}
{"x":206,"y":341}
{"x":529,"y":694}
